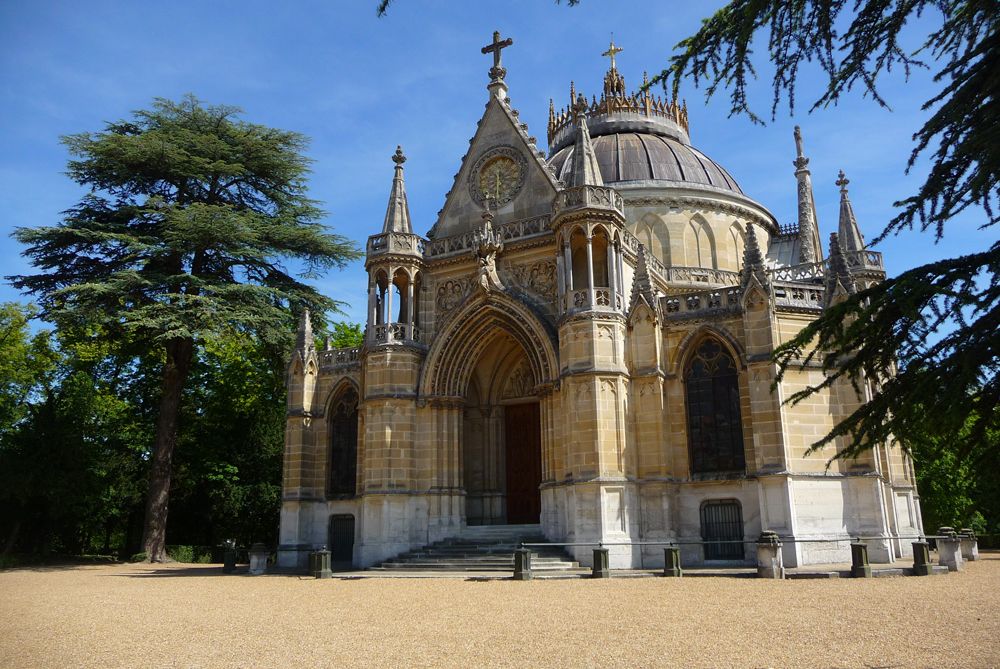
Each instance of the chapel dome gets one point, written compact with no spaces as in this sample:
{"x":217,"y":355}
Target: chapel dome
{"x":636,"y":137}
{"x":644,"y":156}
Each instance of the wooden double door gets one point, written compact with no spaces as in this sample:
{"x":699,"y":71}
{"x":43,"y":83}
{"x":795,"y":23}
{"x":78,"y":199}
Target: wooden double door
{"x":523,"y":456}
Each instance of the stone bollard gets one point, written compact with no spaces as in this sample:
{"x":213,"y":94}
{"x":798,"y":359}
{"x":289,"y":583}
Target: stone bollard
{"x":601,"y":560}
{"x":921,"y":559}
{"x":859,"y":560}
{"x":970,"y":544}
{"x":319,"y":564}
{"x":949,"y":549}
{"x":769,"y":561}
{"x":672,"y":561}
{"x":258,"y":559}
{"x":522,"y":564}
{"x":229,"y":556}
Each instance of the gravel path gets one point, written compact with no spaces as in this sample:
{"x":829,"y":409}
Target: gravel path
{"x":192,"y":616}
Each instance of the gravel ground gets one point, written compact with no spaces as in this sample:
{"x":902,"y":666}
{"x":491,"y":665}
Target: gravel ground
{"x":192,"y":616}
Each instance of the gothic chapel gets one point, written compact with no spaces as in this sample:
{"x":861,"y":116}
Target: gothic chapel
{"x":581,"y":345}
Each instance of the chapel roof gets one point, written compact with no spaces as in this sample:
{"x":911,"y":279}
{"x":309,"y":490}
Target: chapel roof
{"x":636,"y":136}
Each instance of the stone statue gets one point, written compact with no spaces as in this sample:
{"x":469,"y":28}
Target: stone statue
{"x":486,"y":247}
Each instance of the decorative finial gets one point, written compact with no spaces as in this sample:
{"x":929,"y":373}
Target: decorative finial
{"x":398,"y":157}
{"x":580,"y":106}
{"x":800,"y":157}
{"x":612,"y":52}
{"x":842,"y":181}
{"x":572,"y":92}
{"x":497,"y":72}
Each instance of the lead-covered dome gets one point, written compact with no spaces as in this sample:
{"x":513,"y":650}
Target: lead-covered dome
{"x":639,"y":156}
{"x":636,"y":137}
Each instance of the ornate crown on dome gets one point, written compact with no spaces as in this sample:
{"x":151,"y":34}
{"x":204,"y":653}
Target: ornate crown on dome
{"x":615,"y":104}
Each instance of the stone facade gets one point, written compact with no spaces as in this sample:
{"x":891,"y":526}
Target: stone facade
{"x":583,"y":340}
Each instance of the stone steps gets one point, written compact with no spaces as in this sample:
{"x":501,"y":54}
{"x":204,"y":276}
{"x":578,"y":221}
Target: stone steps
{"x":481,"y":548}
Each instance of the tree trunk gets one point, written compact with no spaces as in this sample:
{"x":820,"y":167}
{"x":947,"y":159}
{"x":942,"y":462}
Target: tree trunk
{"x":175,"y":372}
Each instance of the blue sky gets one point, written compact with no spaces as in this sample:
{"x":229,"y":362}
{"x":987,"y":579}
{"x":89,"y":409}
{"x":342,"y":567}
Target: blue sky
{"x":358,"y":86}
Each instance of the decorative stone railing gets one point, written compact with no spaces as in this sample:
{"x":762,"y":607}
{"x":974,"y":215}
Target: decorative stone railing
{"x":388,"y":333}
{"x":864,"y":260}
{"x":702,"y":302}
{"x":797,"y":296}
{"x":340,"y":356}
{"x":588,"y":197}
{"x":395,"y":242}
{"x":811,"y":272}
{"x":696,"y":275}
{"x":465,"y":242}
{"x":804,"y":273}
{"x":597,"y":300}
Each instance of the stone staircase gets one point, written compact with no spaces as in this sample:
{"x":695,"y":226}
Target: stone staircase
{"x":482,"y":548}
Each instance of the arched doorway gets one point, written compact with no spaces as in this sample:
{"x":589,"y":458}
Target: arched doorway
{"x":501,"y":438}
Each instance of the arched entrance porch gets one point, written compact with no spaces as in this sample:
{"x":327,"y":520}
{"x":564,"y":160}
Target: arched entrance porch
{"x":495,"y":359}
{"x":501,"y":438}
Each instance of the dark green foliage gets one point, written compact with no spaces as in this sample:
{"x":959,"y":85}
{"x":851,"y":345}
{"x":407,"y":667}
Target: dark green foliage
{"x":954,"y":491}
{"x":227,"y":480}
{"x":939,"y":321}
{"x":181,"y":239}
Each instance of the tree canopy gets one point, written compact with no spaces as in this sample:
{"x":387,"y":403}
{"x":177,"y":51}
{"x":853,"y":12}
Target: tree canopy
{"x":191,"y":213}
{"x":939,"y":321}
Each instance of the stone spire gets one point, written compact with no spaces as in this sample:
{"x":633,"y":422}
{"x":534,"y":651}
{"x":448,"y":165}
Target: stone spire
{"x":809,"y":250}
{"x":848,"y":230}
{"x":837,"y":273}
{"x":642,"y":285}
{"x":304,"y":337}
{"x":397,"y":215}
{"x":753,"y":259}
{"x":584,"y":170}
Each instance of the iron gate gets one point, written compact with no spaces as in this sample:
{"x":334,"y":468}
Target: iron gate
{"x":342,"y":538}
{"x":722,"y":521}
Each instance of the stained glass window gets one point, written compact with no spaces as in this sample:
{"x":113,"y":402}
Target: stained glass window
{"x":343,"y":461}
{"x":715,"y":429}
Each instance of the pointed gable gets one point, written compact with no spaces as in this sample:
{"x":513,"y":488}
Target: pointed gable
{"x":500,"y":135}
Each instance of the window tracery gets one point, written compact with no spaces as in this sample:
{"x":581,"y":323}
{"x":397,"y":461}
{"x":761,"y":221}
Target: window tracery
{"x":715,"y":426}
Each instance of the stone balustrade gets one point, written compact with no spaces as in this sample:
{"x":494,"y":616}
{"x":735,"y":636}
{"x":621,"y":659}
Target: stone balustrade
{"x":386,"y":333}
{"x":395,"y":242}
{"x":340,"y":356}
{"x":588,"y":197}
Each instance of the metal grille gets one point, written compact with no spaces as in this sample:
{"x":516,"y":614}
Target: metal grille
{"x":722,"y":521}
{"x":342,"y":538}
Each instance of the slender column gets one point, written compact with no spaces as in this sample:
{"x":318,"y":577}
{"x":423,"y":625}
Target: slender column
{"x":613,"y":276}
{"x":568,"y":267}
{"x":372,"y":304}
{"x":561,"y":279}
{"x":388,"y":311}
{"x":409,"y":308}
{"x":590,"y":271}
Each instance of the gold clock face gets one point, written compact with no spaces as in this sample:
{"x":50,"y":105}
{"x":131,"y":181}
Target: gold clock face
{"x":499,"y":179}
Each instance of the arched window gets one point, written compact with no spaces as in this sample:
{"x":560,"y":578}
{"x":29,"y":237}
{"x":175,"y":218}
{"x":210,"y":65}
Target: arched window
{"x":715,"y":428}
{"x":342,"y":469}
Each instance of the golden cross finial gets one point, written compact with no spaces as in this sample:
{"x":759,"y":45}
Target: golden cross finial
{"x":612,"y":51}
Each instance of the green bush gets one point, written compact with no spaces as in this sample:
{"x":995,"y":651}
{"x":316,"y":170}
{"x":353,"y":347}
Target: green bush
{"x":195,"y":554}
{"x":139,"y":557}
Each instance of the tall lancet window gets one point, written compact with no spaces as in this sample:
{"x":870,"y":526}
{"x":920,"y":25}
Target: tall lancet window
{"x":342,"y":467}
{"x":715,"y":428}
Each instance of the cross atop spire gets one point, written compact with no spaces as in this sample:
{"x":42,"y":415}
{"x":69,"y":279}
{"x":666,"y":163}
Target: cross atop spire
{"x":612,"y":51}
{"x":498,"y":71}
{"x":842,"y":181}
